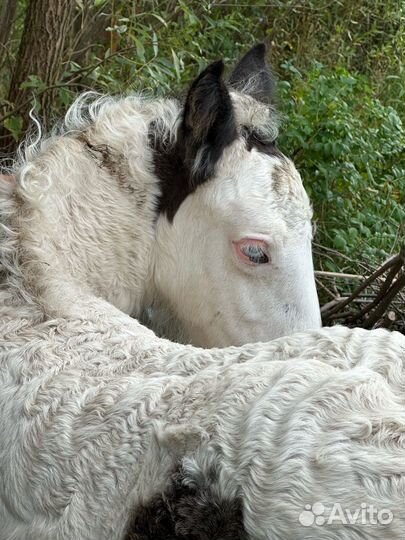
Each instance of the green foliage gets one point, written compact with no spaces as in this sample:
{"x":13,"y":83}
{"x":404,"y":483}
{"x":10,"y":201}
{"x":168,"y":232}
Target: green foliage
{"x":162,"y":49}
{"x":350,"y":148}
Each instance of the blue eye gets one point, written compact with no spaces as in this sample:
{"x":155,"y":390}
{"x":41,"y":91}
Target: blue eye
{"x":252,"y":251}
{"x":255,"y":254}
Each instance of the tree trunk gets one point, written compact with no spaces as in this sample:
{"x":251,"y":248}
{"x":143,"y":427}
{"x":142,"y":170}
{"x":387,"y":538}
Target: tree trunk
{"x":46,"y":28}
{"x":7,"y":14}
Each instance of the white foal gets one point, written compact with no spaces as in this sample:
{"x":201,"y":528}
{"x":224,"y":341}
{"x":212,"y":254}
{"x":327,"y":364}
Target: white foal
{"x":185,"y":207}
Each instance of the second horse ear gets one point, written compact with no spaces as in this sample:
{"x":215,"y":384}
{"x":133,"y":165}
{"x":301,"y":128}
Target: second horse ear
{"x":253,"y":76}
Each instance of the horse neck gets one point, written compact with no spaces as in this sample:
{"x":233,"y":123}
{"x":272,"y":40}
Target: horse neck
{"x":83,"y":216}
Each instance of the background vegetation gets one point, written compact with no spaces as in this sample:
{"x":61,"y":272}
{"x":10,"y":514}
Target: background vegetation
{"x":341,"y":75}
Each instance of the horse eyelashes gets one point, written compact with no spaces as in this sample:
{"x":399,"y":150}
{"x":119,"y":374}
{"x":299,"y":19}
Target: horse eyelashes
{"x":255,"y":254}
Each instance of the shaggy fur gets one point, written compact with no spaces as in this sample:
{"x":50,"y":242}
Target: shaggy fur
{"x":84,"y":232}
{"x":188,"y":511}
{"x":96,"y":414}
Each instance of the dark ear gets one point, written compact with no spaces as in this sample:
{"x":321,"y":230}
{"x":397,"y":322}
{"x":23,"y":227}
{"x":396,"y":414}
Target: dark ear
{"x":208,"y":124}
{"x":253,"y":76}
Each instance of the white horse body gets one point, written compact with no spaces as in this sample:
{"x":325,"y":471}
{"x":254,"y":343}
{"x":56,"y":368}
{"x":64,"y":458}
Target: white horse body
{"x":97,"y":414}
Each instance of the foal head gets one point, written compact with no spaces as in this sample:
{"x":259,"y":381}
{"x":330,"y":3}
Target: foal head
{"x":233,"y":251}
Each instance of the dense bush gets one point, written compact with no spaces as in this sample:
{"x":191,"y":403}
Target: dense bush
{"x":350,"y":149}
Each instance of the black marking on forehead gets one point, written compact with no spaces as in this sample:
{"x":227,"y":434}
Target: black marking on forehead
{"x":174,"y":176}
{"x":207,"y":128}
{"x":188,"y":512}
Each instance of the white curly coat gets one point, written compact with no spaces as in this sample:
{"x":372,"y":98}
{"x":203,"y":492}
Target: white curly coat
{"x":96,"y":412}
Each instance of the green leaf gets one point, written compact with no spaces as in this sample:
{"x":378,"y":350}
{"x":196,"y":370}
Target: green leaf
{"x":65,"y":96}
{"x":159,"y":18}
{"x":34,"y":82}
{"x":140,"y":49}
{"x":155,"y":43}
{"x":15,"y":125}
{"x":176,"y":63}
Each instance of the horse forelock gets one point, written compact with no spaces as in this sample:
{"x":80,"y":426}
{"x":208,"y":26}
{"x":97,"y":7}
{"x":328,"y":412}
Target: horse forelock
{"x":256,"y":116}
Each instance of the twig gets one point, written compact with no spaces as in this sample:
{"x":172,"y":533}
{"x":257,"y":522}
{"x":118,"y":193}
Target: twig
{"x":325,"y":288}
{"x":322,"y":249}
{"x":385,"y":303}
{"x":338,"y":275}
{"x":89,"y":69}
{"x":384,"y":288}
{"x":71,"y":82}
{"x":391,"y":262}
